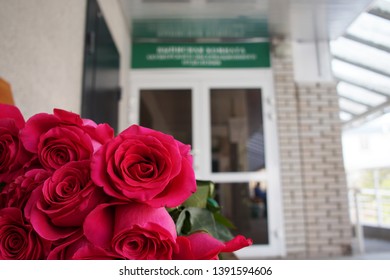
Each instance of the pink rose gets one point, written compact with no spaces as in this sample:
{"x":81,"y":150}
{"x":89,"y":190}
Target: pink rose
{"x":11,"y":113}
{"x":77,"y":247}
{"x":58,"y":208}
{"x":147,"y":166}
{"x":133,"y":231}
{"x":17,"y":193}
{"x":13,"y":156}
{"x":63,"y":137}
{"x":18,"y":240}
{"x":203,"y":246}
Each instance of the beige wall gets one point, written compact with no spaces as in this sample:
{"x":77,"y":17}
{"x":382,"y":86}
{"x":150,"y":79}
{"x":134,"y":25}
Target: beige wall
{"x":41,"y":53}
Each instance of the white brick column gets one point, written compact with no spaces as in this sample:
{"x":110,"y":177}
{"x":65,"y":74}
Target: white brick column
{"x":290,"y":157}
{"x":328,"y":230}
{"x":313,"y":181}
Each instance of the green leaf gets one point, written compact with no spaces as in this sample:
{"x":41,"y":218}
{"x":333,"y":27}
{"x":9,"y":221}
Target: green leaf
{"x":223,"y":233}
{"x":202,"y":219}
{"x":193,"y":219}
{"x":219,"y":218}
{"x":209,"y":184}
{"x":174,"y":212}
{"x":199,"y":198}
{"x":183,"y":224}
{"x":170,"y":210}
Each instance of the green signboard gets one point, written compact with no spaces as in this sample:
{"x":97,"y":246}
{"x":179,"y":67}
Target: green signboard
{"x":200,"y":55}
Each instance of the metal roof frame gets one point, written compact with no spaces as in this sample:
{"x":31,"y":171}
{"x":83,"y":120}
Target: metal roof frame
{"x":381,"y":8}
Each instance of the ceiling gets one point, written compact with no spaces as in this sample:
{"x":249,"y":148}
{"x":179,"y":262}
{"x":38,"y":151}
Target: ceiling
{"x":296,"y":19}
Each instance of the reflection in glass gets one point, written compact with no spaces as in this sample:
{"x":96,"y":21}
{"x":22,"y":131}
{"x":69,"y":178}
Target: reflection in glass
{"x":237,"y":141}
{"x":245,"y":204}
{"x":168,"y":111}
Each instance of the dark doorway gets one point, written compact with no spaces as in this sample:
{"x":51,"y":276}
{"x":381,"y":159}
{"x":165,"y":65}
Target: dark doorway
{"x":101,"y":91}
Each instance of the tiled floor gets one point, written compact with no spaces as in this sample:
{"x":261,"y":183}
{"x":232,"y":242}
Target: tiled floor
{"x":375,"y":249}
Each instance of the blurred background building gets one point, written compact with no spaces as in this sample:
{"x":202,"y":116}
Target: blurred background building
{"x":284,"y":102}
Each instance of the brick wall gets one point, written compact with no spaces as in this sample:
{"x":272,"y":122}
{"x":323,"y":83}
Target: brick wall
{"x":313,"y":181}
{"x":328,"y":231}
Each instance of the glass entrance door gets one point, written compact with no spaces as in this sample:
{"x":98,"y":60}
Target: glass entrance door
{"x":229,"y":124}
{"x":168,"y":111}
{"x":237,"y":152}
{"x":237,"y":142}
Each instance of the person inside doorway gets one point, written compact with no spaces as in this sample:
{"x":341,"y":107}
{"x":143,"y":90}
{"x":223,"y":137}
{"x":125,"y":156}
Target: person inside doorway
{"x":260,"y":198}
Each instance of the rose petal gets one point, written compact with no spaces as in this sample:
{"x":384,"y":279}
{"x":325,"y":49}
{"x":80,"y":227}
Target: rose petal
{"x":99,"y":225}
{"x":203,"y":246}
{"x":68,"y":117}
{"x":237,"y":243}
{"x":35,"y":127}
{"x":77,"y":247}
{"x":109,"y":222}
{"x":43,"y":226}
{"x":141,"y":214}
{"x":182,"y":186}
{"x":184,"y":251}
{"x":12,"y":112}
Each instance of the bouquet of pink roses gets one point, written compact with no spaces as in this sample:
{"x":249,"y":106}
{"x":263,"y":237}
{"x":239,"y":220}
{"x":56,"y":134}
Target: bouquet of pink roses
{"x":70,"y":189}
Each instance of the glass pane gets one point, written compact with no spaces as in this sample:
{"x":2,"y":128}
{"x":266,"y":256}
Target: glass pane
{"x":237,"y":138}
{"x":351,"y":107}
{"x":360,"y":76}
{"x":168,"y":111}
{"x":361,"y":54}
{"x":371,"y":28}
{"x":345,"y":116}
{"x":245,"y":205}
{"x":360,"y":94}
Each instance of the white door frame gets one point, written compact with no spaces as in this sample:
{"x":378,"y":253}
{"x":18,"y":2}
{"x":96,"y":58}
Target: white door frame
{"x":200,"y":82}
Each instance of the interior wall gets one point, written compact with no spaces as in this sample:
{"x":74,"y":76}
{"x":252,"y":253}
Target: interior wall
{"x":41,"y":53}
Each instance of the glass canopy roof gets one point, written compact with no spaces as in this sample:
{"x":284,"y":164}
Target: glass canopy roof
{"x":361,"y":63}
